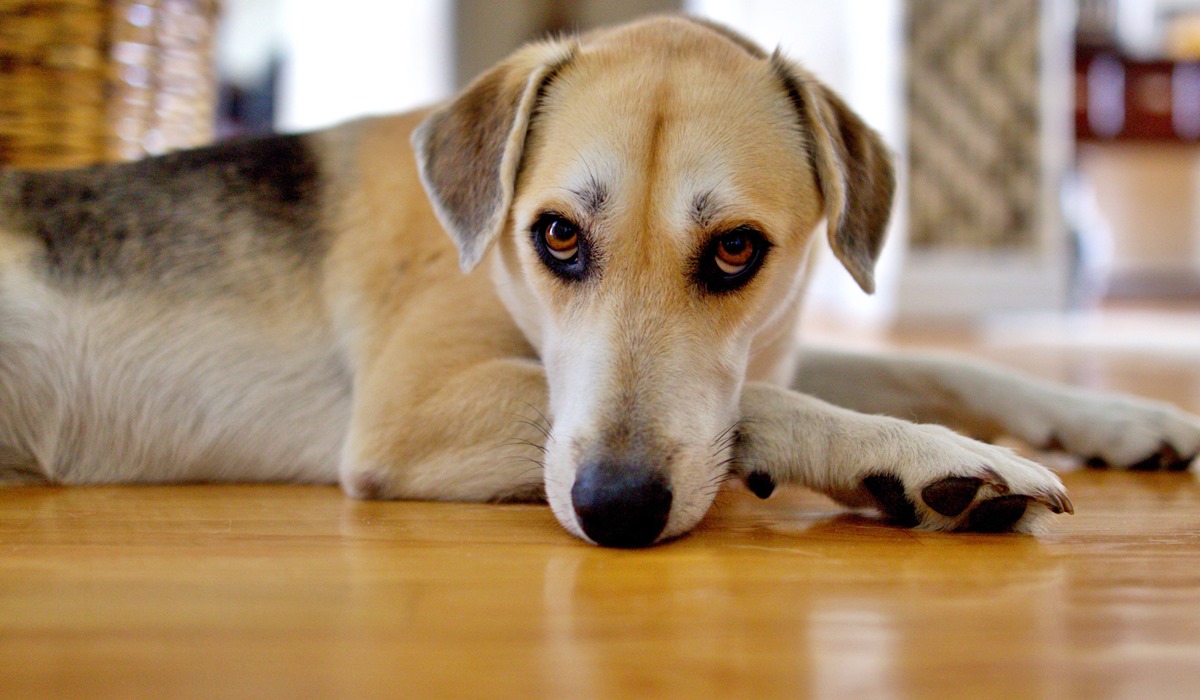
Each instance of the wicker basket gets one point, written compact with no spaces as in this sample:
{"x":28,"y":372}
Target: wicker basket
{"x":89,"y":81}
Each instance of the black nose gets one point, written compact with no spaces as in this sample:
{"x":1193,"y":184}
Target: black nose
{"x":621,"y":505}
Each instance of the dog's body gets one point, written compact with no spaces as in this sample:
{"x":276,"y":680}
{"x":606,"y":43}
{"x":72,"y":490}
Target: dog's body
{"x":642,"y":201}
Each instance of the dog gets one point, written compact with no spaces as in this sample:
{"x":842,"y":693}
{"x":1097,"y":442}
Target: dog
{"x":609,"y":325}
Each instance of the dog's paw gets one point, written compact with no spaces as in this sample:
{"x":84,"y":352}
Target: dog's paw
{"x":1120,"y":432}
{"x":964,"y":503}
{"x":958,"y":484}
{"x":944,"y":481}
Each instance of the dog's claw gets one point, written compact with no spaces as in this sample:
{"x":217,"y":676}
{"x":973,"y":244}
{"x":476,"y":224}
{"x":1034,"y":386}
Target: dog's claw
{"x":888,"y":492}
{"x":760,"y":484}
{"x":1057,"y":503}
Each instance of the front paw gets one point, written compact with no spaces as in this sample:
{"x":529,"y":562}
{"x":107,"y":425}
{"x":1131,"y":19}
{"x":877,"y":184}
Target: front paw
{"x":943,"y":481}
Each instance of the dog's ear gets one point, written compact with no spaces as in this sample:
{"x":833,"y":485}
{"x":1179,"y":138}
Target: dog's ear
{"x":468,"y":151}
{"x":854,"y":171}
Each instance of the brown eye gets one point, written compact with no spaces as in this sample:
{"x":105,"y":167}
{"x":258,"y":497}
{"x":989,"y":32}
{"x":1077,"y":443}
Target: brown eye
{"x":562,"y":239}
{"x":562,"y":245}
{"x":731,"y":259}
{"x":734,"y":253}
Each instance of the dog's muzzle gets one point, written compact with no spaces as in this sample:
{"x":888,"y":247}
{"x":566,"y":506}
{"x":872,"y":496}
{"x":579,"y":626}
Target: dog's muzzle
{"x":621,"y":505}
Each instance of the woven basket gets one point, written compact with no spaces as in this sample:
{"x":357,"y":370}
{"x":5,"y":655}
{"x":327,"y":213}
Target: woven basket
{"x":90,"y":81}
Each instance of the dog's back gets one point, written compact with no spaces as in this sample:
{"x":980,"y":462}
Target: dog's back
{"x":169,"y":219}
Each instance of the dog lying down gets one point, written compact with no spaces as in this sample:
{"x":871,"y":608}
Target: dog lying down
{"x":634,"y":210}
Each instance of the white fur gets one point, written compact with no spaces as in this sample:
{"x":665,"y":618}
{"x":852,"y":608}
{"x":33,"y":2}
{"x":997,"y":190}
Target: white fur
{"x":799,"y":439}
{"x":206,"y":393}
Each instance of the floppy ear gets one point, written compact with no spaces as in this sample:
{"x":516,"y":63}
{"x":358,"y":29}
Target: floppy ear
{"x":468,"y":151}
{"x":854,"y":172}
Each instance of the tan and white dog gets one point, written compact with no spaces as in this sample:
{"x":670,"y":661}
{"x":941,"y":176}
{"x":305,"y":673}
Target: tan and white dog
{"x":634,"y":210}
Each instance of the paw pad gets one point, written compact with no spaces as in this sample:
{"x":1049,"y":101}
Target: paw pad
{"x":996,"y":515}
{"x":951,"y":495}
{"x":1167,"y":458}
{"x":1182,"y":465}
{"x":760,"y":484}
{"x":888,"y":491}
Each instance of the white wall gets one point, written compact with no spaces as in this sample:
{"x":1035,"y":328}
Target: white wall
{"x":356,"y":57}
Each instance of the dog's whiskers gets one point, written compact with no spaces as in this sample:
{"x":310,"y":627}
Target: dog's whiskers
{"x":520,"y":442}
{"x":521,"y":480}
{"x":725,"y":433}
{"x":531,"y":460}
{"x":721,"y":476}
{"x":535,"y":426}
{"x":725,"y":463}
{"x":538,"y":411}
{"x":726,"y":439}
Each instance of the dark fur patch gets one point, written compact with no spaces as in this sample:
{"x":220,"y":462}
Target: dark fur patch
{"x":593,"y":196}
{"x":178,"y":214}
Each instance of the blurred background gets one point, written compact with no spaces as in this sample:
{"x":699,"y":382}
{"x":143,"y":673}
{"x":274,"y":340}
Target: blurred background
{"x":1048,"y":147}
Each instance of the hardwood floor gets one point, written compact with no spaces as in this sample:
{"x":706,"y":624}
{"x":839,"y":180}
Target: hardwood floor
{"x":296,"y":592}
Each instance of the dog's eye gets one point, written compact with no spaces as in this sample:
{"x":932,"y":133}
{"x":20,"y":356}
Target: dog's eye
{"x":562,"y":239}
{"x":734,"y":253}
{"x":561,"y":245}
{"x":730,"y":260}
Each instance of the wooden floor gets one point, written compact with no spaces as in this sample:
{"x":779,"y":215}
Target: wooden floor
{"x":297,"y":592}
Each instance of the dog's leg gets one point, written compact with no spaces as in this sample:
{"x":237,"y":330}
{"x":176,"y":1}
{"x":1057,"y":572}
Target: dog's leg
{"x":919,"y":475}
{"x":1107,"y":429}
{"x":475,"y":434}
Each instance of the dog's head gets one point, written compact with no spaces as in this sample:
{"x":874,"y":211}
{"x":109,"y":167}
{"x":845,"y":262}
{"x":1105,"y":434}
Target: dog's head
{"x":648,"y":195}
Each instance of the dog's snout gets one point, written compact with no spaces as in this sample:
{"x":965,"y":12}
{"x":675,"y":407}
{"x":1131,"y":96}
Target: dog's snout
{"x":621,"y":505}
